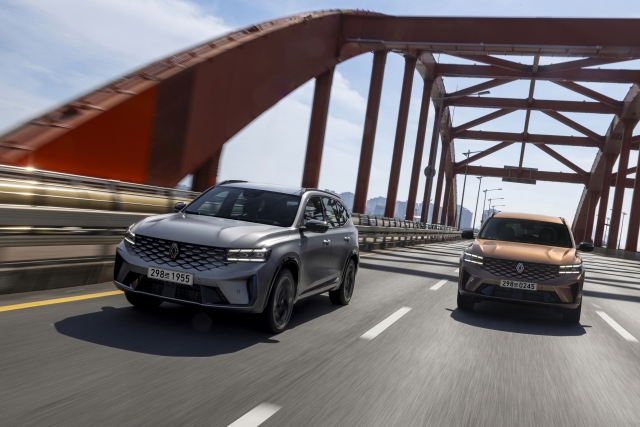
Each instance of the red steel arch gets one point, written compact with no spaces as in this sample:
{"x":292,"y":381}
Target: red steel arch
{"x":172,"y":117}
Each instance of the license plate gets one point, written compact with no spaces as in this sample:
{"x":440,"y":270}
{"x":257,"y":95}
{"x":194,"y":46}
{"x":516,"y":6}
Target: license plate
{"x":170,"y":276}
{"x":518,"y":285}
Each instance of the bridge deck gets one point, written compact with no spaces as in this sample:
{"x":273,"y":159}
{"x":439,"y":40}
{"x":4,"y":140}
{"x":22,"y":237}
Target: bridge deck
{"x":101,"y":362}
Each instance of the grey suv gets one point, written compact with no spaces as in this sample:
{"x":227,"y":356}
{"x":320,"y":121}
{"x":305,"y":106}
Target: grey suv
{"x":242,"y":246}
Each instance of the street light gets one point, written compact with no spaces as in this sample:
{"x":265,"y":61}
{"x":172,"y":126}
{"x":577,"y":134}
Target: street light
{"x":496,"y":198}
{"x":619,"y":240}
{"x":606,"y":224}
{"x":495,"y":206}
{"x":468,"y":153}
{"x":432,"y":166}
{"x":485,"y":201}
{"x":473,"y":224}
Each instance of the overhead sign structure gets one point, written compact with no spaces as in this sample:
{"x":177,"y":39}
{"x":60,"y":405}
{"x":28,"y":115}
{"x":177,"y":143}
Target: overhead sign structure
{"x":526,"y":175}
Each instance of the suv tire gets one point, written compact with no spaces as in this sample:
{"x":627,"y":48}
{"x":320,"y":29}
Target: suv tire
{"x":465,"y":303}
{"x":572,"y":315}
{"x":277,"y":313}
{"x":342,"y":295}
{"x":142,"y":301}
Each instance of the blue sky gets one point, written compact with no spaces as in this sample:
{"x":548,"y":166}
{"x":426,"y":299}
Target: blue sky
{"x":51,"y":51}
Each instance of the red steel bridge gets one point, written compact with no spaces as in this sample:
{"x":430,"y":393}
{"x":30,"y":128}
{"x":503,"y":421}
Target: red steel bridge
{"x":172,"y":118}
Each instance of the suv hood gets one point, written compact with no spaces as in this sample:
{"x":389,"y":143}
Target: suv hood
{"x":210,"y":231}
{"x":523,"y":252}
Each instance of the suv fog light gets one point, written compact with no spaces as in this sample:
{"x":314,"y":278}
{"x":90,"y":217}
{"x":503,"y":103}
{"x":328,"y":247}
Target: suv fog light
{"x":570,"y":269}
{"x":474,"y":259}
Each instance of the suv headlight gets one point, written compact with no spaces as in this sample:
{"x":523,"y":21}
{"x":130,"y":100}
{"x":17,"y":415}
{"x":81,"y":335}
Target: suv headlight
{"x":248,"y":255}
{"x":130,"y":236}
{"x":570,"y":269}
{"x":474,"y":259}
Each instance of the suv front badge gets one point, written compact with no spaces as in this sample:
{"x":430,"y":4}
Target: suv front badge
{"x":174,"y":251}
{"x":519,"y":267}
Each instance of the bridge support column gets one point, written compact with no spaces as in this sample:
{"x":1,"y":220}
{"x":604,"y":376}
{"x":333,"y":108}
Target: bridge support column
{"x":433,"y":152}
{"x":588,"y":229}
{"x":317,"y":129}
{"x":206,"y":174}
{"x":436,"y":200}
{"x":401,"y":131}
{"x":369,"y":133}
{"x":604,"y":200}
{"x":621,"y":177}
{"x":417,"y":155}
{"x":634,"y":214}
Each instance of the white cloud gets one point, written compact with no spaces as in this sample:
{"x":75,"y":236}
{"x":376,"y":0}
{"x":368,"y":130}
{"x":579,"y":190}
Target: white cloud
{"x":139,"y":30}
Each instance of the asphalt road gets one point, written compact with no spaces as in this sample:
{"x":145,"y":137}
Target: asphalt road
{"x":101,"y":362}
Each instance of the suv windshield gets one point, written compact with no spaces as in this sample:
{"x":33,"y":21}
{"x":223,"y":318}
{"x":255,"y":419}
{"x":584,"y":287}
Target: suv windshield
{"x":526,"y":231}
{"x":242,"y":204}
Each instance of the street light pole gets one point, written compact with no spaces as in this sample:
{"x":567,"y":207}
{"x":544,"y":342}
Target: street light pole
{"x":485,"y":201}
{"x":623,"y":215}
{"x":495,"y":198}
{"x":464,"y":186}
{"x":473,"y":224}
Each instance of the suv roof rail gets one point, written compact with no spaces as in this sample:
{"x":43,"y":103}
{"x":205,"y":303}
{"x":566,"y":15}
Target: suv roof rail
{"x":232,"y":181}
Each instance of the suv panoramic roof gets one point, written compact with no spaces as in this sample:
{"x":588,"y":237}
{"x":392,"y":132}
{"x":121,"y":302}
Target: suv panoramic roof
{"x":533,"y":217}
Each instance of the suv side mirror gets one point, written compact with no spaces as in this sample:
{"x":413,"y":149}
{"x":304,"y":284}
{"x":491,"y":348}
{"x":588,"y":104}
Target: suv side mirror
{"x":315,"y":226}
{"x":468,"y":234}
{"x":586,"y":247}
{"x":179,"y":206}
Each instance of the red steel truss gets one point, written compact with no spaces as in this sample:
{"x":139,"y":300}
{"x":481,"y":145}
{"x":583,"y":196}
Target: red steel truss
{"x":172,"y":117}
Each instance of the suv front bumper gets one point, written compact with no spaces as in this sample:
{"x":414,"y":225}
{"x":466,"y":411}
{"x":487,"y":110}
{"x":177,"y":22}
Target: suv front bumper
{"x":241,"y":287}
{"x":561,"y":292}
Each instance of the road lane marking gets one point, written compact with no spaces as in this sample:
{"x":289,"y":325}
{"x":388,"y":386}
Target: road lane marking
{"x":57,"y":301}
{"x":256,"y":416}
{"x":619,"y":329}
{"x":380,"y":327}
{"x":438,"y":285}
{"x":456,"y":271}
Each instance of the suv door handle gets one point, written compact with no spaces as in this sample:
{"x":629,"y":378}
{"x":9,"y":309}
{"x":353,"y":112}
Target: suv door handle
{"x":347,"y":238}
{"x":326,"y":242}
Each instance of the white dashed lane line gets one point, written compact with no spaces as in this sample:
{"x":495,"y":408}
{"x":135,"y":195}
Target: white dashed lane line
{"x":438,"y":285}
{"x":256,"y":416}
{"x":380,"y":327}
{"x":619,"y":329}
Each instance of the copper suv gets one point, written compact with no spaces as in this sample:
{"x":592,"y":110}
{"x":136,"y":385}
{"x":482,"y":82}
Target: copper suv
{"x":530,"y":259}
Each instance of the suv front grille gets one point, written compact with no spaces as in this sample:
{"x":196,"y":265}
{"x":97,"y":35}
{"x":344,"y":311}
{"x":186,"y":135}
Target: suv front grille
{"x":197,"y":257}
{"x":508,"y":269}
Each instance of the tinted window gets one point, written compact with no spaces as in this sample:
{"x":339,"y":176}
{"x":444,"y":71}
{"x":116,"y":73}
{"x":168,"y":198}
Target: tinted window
{"x":343,"y":217}
{"x":526,"y":231}
{"x":313,"y":209}
{"x":332,"y":212}
{"x":264,"y":207}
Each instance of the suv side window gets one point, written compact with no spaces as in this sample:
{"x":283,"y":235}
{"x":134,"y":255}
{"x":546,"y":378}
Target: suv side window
{"x":313,"y":209}
{"x":343,"y":218}
{"x":333,"y":212}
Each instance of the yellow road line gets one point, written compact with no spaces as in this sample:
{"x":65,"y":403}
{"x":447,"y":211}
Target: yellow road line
{"x":57,"y":301}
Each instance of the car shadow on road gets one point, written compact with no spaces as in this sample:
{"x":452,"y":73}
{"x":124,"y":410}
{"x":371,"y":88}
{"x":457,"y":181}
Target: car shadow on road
{"x":180,"y":331}
{"x":518,"y":319}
